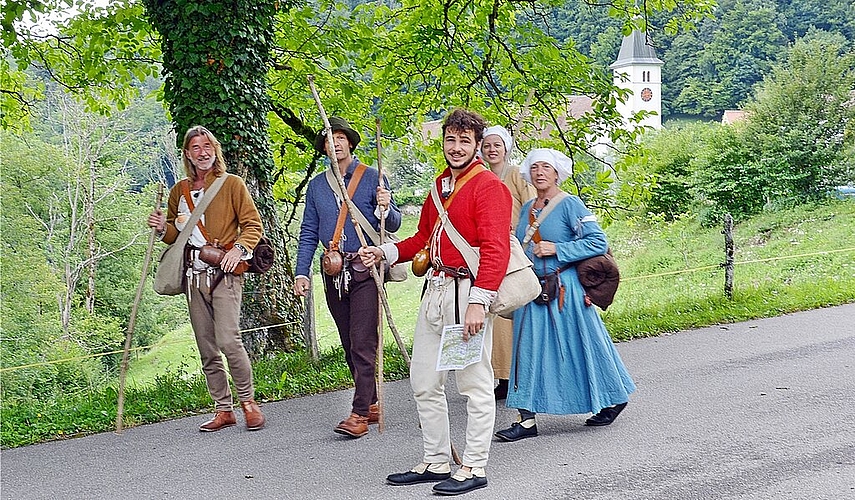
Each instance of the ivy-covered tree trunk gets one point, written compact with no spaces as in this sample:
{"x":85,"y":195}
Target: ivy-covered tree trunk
{"x":216,"y":55}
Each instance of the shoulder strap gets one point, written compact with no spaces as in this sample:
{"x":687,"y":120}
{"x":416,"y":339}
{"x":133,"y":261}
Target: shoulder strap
{"x":343,"y":210}
{"x":470,"y":255}
{"x":197,"y":212}
{"x":534,"y":226}
{"x":185,"y":189}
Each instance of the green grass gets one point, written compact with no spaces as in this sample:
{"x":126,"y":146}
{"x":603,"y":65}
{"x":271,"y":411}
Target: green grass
{"x":175,"y":352}
{"x":647,"y":305}
{"x":165,"y":383}
{"x":174,"y":394}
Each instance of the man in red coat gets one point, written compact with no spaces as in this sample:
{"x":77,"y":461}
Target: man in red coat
{"x":477,"y":204}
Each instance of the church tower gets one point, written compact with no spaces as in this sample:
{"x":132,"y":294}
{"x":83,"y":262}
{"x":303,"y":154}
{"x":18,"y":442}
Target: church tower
{"x":637,"y":61}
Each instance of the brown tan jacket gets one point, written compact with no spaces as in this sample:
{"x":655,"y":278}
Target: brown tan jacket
{"x":231,"y":215}
{"x":521,"y":192}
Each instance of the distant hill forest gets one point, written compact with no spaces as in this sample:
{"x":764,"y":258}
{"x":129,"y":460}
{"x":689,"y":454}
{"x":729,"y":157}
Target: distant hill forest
{"x":714,"y":67}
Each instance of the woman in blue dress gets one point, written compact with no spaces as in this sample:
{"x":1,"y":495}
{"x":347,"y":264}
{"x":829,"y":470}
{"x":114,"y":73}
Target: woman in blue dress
{"x":564,"y":361}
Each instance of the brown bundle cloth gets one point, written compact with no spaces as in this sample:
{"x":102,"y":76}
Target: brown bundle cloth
{"x":600,"y":278}
{"x":263,"y":256}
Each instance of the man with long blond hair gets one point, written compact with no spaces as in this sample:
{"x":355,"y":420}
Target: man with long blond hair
{"x":214,"y":291}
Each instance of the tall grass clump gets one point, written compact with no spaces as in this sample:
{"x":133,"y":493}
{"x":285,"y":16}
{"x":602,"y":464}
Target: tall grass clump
{"x":175,"y":393}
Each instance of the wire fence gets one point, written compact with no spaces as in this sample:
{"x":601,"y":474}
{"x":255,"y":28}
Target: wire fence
{"x":120,"y":351}
{"x":623,"y":279}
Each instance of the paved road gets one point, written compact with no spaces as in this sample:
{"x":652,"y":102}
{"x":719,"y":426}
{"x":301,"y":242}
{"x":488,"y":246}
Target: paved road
{"x":757,"y":410}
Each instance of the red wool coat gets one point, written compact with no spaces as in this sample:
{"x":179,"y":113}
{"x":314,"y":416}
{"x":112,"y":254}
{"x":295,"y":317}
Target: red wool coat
{"x":481,"y":212}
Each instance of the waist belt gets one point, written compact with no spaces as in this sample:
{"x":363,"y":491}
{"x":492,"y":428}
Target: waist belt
{"x":556,"y":271}
{"x":452,"y":272}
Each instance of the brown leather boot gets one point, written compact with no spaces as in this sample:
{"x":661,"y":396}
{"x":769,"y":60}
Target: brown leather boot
{"x":354,"y":426}
{"x":221,"y":420}
{"x":374,"y":414}
{"x":252,"y":414}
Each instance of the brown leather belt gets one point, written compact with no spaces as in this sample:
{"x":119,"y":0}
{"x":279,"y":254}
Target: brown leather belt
{"x":452,"y":272}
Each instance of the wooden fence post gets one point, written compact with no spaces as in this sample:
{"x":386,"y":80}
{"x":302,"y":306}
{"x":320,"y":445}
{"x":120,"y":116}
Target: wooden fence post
{"x":309,"y":332}
{"x":728,"y":256}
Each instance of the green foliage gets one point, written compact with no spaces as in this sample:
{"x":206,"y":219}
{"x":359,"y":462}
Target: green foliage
{"x":713,"y":67}
{"x":46,"y":253}
{"x":97,"y":54}
{"x":794,"y":146}
{"x":739,"y":52}
{"x":216,"y":58}
{"x":215,"y":61}
{"x":801,"y":120}
{"x":726,"y":176}
{"x":411,"y":63}
{"x":409,"y":178}
{"x":668,"y":157}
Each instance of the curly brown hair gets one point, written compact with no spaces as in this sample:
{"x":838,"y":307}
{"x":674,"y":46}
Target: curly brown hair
{"x":461,"y":119}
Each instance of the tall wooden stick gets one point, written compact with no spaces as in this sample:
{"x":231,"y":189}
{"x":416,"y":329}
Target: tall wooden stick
{"x":120,"y":407}
{"x":352,"y":208}
{"x":381,"y":424}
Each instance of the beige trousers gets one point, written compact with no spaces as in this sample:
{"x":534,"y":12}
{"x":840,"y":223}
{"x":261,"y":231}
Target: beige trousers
{"x":503,"y":345}
{"x":475,"y":382}
{"x":215,"y":320}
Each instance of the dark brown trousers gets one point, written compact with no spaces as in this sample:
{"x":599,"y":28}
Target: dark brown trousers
{"x":355,"y":316}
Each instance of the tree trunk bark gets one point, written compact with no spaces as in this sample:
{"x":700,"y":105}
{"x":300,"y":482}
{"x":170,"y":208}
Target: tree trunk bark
{"x":216,"y":56}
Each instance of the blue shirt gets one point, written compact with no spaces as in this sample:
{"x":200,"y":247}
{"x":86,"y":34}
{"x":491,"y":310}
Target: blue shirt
{"x":321,"y":214}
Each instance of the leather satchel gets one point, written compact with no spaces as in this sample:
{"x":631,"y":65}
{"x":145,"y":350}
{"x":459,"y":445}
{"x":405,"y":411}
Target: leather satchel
{"x":169,"y":278}
{"x":520,"y":284}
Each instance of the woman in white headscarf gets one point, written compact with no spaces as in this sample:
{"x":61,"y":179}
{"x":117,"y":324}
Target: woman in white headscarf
{"x":564,"y":361}
{"x":496,"y":148}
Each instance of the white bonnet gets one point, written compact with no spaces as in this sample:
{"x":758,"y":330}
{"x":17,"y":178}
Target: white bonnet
{"x":504,"y":134}
{"x":558,"y":160}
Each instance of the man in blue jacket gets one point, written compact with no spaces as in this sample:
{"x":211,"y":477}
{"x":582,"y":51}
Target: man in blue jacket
{"x":351,"y":292}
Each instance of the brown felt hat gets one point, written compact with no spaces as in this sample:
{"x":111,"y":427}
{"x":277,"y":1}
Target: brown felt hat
{"x":338,"y":125}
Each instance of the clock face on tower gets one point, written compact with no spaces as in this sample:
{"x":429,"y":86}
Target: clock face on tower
{"x":646,"y":94}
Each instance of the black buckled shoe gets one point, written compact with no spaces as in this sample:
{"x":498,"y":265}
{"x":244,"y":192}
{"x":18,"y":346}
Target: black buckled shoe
{"x":418,"y":474}
{"x":517,"y":432}
{"x":500,"y":392}
{"x":606,"y":416}
{"x":462,"y":482}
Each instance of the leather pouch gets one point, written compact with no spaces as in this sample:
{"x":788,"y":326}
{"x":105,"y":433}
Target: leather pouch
{"x":332,"y":263}
{"x":212,"y":255}
{"x":549,"y":289}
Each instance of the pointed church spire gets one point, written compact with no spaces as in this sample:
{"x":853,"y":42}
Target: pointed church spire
{"x":636,"y":49}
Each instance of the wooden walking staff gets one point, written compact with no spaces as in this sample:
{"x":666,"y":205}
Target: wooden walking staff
{"x":133,"y":319}
{"x":352,"y":208}
{"x":381,"y":424}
